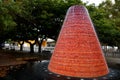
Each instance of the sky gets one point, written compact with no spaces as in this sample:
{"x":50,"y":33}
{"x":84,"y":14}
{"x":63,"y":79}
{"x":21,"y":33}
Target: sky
{"x":97,"y":2}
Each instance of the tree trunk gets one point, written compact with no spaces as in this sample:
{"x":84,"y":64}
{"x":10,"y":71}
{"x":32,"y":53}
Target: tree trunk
{"x":39,"y":49}
{"x":1,"y":45}
{"x":40,"y":44}
{"x":21,"y":47}
{"x":118,"y":48}
{"x":31,"y":48}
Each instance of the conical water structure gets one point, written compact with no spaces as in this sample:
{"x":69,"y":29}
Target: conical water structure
{"x":78,"y":52}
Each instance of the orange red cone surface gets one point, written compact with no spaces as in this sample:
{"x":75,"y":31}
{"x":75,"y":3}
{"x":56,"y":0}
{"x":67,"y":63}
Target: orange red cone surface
{"x":78,"y":52}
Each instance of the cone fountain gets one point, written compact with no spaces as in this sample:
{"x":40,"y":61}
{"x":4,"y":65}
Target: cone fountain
{"x":78,"y":52}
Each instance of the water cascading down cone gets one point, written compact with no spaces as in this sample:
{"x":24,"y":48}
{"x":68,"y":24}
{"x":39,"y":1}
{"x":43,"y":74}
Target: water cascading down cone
{"x":78,"y":52}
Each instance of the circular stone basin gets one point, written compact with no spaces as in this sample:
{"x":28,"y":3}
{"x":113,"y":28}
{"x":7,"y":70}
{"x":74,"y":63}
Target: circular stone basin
{"x":38,"y":70}
{"x":114,"y":74}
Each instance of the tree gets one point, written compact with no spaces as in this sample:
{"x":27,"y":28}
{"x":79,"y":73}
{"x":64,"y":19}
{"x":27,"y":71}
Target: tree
{"x":103,"y":22}
{"x":7,"y":24}
{"x":40,"y":19}
{"x":116,"y":19}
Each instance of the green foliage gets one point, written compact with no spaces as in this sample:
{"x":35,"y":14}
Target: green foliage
{"x":30,"y":19}
{"x":6,"y":22}
{"x":102,"y":17}
{"x":43,"y":15}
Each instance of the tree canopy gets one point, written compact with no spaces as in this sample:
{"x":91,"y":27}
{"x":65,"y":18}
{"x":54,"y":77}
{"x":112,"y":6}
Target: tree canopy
{"x":32,"y":19}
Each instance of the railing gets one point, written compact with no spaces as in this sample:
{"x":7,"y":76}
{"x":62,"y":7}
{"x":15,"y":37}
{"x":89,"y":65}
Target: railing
{"x":107,"y":53}
{"x":51,"y":49}
{"x":28,"y":48}
{"x":115,"y":54}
